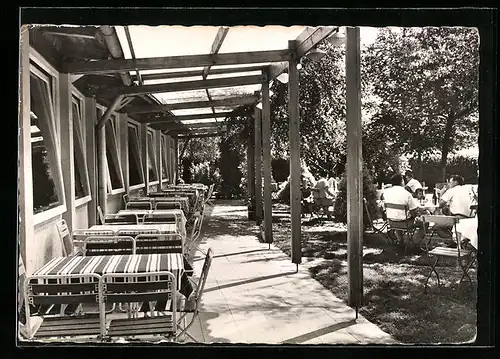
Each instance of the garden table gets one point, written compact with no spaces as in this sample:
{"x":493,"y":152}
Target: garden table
{"x":178,"y":213}
{"x":61,"y":267}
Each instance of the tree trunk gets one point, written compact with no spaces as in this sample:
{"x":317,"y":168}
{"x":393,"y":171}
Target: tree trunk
{"x":420,"y":169}
{"x":450,"y":121}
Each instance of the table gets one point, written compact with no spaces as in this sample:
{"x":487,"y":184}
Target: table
{"x":178,"y":213}
{"x":133,"y":229}
{"x":131,"y":263}
{"x":428,"y":205}
{"x":467,"y":227}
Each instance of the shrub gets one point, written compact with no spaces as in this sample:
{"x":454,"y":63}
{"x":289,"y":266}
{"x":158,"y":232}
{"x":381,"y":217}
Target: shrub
{"x":464,"y":166}
{"x":369,"y":192}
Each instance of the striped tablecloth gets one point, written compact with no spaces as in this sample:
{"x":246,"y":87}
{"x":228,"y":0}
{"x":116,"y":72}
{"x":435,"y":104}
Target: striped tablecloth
{"x":133,"y":229}
{"x":138,"y":263}
{"x":178,"y":213}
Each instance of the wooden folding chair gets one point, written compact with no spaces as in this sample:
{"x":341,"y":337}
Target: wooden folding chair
{"x":68,"y":247}
{"x":49,"y":290}
{"x":100,"y":214}
{"x":148,"y":287}
{"x":465,"y":257}
{"x":159,"y":218}
{"x":376,"y":229}
{"x":192,"y":304}
{"x":401,"y":228}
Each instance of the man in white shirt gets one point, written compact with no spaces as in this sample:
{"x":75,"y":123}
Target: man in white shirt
{"x":397,"y":194}
{"x":458,"y":198}
{"x":411,"y":183}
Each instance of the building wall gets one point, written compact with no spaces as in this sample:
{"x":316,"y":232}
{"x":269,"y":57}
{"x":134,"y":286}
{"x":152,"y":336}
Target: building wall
{"x":47,"y":243}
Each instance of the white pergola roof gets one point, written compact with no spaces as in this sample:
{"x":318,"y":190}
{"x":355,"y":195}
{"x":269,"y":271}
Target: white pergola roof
{"x":166,"y":41}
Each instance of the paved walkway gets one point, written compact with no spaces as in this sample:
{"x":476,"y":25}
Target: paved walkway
{"x":254,"y":294}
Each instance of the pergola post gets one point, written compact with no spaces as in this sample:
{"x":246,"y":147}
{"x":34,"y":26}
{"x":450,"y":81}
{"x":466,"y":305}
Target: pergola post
{"x":144,"y":155}
{"x":67,"y":158}
{"x":101,"y":173}
{"x":354,"y":170}
{"x":258,"y":166}
{"x":25,"y":174}
{"x":91,"y":146}
{"x":266,"y":151}
{"x":176,"y":159}
{"x":159,"y":162}
{"x":123,"y":140}
{"x":294,"y":138}
{"x":251,"y":170}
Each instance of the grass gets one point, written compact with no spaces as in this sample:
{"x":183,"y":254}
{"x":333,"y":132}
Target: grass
{"x":393,"y":284}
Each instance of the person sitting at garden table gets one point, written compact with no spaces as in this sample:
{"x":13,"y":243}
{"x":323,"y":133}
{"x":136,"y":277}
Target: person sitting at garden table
{"x":397,"y":194}
{"x":456,"y":201}
{"x":412,"y":184}
{"x":323,"y":197}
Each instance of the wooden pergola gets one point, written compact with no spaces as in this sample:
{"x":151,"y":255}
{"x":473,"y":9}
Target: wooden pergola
{"x":127,"y":85}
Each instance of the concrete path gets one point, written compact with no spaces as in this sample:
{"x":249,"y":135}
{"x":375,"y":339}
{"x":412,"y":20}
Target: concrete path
{"x":254,"y":294}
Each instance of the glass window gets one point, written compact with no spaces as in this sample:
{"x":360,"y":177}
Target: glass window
{"x":134,"y":158}
{"x":82,"y":187}
{"x":113,"y":165}
{"x":153,"y":175}
{"x":47,"y":192}
{"x":163,"y":161}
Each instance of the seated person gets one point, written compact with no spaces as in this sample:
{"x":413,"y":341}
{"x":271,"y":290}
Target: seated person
{"x":411,"y":183}
{"x":397,"y":194}
{"x":323,"y":197}
{"x":457,"y":199}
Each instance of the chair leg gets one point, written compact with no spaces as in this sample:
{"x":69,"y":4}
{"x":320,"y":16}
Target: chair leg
{"x":465,"y":272}
{"x":433,"y":269}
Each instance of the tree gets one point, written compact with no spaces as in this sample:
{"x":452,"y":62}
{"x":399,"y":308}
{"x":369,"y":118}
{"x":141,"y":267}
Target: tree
{"x":426,"y":81}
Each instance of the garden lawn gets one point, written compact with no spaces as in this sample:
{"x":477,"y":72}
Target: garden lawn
{"x":393,"y":283}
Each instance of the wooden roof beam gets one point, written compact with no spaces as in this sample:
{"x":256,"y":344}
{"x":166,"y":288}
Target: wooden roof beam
{"x":120,"y":65}
{"x":202,"y":116}
{"x":226,"y":102}
{"x":183,"y":86}
{"x":193,"y":73}
{"x":307,"y":40}
{"x":202,"y":135}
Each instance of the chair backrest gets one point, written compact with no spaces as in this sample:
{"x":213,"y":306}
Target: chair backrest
{"x":139,"y":205}
{"x":168,"y":205}
{"x":203,"y":277}
{"x":157,"y":194}
{"x":158,"y":243}
{"x":65,"y":237}
{"x":140,"y":287}
{"x":136,"y":232}
{"x":159,"y":218}
{"x":403,"y":207}
{"x":194,"y":229}
{"x":365,"y":206}
{"x":81,"y":234}
{"x":108,"y":245}
{"x":100,"y":214}
{"x":210,"y":191}
{"x":121,"y":218}
{"x":125,"y":199}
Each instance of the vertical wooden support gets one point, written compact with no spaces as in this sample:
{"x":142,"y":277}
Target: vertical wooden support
{"x":176,"y":159}
{"x":102,"y":172}
{"x":91,"y":148}
{"x":354,"y":170}
{"x":159,"y":162}
{"x":67,"y":156}
{"x":123,"y":140}
{"x":251,"y":162}
{"x":266,"y":151}
{"x":294,"y":138}
{"x":258,"y":166}
{"x":168,"y":149}
{"x":25,"y":175}
{"x":144,"y":155}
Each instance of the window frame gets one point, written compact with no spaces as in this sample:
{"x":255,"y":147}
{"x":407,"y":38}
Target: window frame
{"x":164,"y":157}
{"x":114,"y":154}
{"x":79,"y":125}
{"x":136,"y":127}
{"x":152,"y":155}
{"x":41,"y":68}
